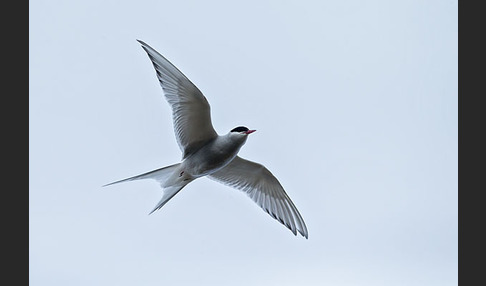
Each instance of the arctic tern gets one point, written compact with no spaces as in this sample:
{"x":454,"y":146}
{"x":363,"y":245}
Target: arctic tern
{"x":205,"y":153}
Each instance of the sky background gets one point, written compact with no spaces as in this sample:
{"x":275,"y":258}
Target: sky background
{"x":355,"y":103}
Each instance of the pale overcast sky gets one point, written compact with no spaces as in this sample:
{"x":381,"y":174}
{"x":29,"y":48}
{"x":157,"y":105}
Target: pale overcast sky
{"x":355,"y":103}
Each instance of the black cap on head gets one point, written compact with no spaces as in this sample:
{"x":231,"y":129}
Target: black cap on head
{"x":240,"y":129}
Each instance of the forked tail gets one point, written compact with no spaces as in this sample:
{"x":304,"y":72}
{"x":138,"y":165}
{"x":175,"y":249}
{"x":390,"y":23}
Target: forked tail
{"x":169,"y":192}
{"x":162,"y":176}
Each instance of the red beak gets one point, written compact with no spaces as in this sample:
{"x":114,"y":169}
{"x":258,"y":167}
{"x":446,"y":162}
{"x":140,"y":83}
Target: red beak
{"x":250,"y":131}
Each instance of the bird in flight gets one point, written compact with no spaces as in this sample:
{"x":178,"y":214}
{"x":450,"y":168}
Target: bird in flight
{"x":205,"y":153}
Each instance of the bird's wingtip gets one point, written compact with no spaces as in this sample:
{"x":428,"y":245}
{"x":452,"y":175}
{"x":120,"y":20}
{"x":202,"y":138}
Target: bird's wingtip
{"x":141,"y":42}
{"x":304,"y":234}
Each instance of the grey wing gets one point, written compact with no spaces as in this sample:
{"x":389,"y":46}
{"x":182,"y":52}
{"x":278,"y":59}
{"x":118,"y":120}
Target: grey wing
{"x":260,"y":185}
{"x":190,"y":108}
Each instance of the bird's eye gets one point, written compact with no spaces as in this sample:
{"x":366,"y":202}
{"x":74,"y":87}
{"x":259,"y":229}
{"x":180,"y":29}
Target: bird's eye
{"x":240,"y":129}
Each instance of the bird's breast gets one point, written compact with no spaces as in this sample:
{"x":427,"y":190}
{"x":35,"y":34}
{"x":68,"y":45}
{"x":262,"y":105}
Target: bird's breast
{"x":210,"y":159}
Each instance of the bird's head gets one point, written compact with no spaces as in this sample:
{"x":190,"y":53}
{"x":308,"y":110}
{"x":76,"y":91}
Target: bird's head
{"x":241,"y":131}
